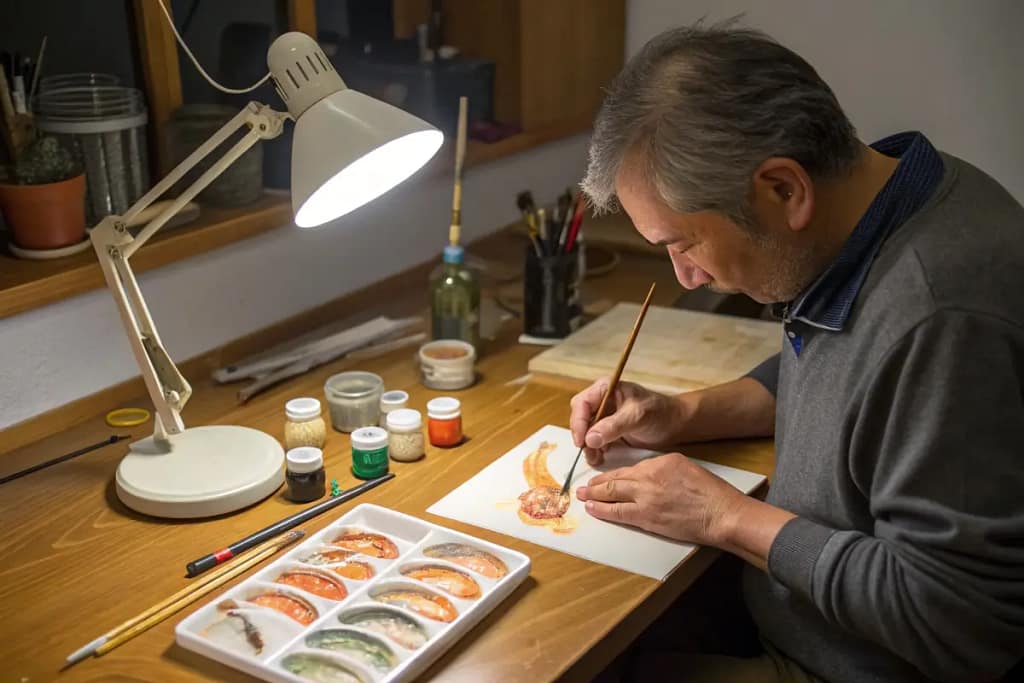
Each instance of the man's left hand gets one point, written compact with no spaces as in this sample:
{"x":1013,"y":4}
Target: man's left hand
{"x":669,"y":495}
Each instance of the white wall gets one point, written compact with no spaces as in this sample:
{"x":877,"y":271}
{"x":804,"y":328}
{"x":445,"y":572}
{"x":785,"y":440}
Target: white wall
{"x":946,"y":67}
{"x":953,"y":69}
{"x":54,"y":355}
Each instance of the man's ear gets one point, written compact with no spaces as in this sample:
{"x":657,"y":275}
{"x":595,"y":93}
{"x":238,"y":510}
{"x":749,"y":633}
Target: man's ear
{"x":783,"y":189}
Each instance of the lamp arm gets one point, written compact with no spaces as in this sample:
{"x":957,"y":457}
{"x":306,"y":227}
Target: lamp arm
{"x":113,"y":244}
{"x":264,"y":124}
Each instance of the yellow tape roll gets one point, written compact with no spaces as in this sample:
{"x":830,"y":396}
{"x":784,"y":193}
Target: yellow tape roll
{"x":127,"y":417}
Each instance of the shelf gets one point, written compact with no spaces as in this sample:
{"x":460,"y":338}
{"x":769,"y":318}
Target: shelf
{"x":25,"y":285}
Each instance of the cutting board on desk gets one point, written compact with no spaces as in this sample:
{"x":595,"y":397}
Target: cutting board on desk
{"x":676,"y":350}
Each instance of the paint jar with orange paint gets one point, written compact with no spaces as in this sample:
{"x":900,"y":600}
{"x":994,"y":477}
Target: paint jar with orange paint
{"x":444,"y":421}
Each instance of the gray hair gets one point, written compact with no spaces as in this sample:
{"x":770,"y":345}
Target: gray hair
{"x":704,"y":107}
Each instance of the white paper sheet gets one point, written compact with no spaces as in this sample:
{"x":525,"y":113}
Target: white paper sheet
{"x":490,"y":500}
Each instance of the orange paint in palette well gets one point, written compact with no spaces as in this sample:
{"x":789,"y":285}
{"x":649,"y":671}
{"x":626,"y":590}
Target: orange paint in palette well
{"x":459,"y":584}
{"x":373,"y":545}
{"x":480,"y":561}
{"x":341,"y":562}
{"x":291,"y":606}
{"x":317,"y":583}
{"x":424,"y":603}
{"x":354,"y":569}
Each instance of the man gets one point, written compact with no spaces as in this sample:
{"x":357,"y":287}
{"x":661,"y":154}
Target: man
{"x":891,"y":544}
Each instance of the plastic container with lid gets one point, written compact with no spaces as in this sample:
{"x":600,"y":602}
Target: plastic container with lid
{"x":405,"y":435}
{"x":392,"y":400}
{"x":444,"y":422}
{"x":369,"y":452}
{"x":304,"y":426}
{"x":305,"y":474}
{"x":447,"y":364}
{"x":354,"y":399}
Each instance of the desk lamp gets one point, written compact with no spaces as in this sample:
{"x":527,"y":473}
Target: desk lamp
{"x":348,"y":149}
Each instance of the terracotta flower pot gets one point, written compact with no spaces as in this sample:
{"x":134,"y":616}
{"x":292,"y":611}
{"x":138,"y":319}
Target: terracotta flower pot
{"x":47,"y":216}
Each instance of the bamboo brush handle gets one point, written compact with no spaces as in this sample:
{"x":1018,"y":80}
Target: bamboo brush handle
{"x":166,"y":608}
{"x":625,"y":356}
{"x":460,"y":155}
{"x":187,"y":590}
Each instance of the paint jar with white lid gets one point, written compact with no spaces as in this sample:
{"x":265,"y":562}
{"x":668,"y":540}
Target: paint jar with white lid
{"x":305,"y":474}
{"x":303,"y":426}
{"x":396,"y":399}
{"x":369,"y":452}
{"x":405,"y":435}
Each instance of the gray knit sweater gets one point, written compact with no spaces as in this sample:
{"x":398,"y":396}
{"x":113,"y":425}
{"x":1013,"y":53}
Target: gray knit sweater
{"x":900,"y":445}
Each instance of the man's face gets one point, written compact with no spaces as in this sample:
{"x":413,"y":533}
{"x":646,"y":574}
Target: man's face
{"x":766,"y":263}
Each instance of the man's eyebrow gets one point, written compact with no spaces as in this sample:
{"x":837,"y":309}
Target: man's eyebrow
{"x":659,"y":243}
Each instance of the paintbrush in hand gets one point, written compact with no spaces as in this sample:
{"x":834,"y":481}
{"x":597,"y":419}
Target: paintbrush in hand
{"x":612,"y":383}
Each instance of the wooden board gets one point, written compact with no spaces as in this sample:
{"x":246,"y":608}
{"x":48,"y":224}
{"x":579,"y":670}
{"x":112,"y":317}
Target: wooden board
{"x":681,"y":350}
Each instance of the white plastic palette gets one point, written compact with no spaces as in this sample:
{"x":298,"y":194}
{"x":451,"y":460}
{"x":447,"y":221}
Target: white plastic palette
{"x":320,"y":640}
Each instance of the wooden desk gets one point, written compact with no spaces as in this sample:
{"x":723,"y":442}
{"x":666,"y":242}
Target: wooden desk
{"x":75,"y":562}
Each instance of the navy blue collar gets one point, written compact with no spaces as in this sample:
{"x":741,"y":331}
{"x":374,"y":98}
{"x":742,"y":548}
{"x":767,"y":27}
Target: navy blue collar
{"x":826,"y":303}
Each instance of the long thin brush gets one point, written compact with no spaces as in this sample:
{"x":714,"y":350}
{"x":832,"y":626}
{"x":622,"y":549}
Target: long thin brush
{"x":165,"y":608}
{"x":613,"y":383}
{"x":460,"y":155}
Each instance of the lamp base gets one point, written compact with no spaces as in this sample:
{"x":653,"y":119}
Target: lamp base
{"x":205,"y":471}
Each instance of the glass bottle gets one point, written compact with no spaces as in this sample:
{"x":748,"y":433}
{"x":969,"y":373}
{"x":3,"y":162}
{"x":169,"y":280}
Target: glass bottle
{"x":455,"y":299}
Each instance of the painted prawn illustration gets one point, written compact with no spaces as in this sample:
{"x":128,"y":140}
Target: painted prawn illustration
{"x":542,"y":504}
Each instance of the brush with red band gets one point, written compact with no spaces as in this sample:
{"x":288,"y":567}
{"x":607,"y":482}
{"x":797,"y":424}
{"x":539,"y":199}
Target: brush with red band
{"x":197,"y":567}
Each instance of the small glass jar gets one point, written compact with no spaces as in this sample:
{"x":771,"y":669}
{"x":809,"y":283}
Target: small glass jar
{"x":392,"y":400}
{"x":354,"y":399}
{"x":444,"y":422}
{"x":305,"y":474}
{"x":405,"y":435}
{"x":369,"y":452}
{"x":304,"y":426}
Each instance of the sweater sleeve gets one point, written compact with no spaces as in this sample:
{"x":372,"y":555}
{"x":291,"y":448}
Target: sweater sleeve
{"x":937,"y":448}
{"x":767,"y":373}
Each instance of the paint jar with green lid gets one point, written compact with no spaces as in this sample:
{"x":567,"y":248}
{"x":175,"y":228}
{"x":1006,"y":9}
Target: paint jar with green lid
{"x":369,"y":452}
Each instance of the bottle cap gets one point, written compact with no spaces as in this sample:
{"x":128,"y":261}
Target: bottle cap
{"x":444,"y":408}
{"x":404,"y":418}
{"x":304,"y":459}
{"x":369,"y":438}
{"x":302,"y":408}
{"x":393,"y":399}
{"x":453,"y":254}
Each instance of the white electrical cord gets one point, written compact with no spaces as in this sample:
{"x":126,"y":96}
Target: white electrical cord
{"x":195,"y":62}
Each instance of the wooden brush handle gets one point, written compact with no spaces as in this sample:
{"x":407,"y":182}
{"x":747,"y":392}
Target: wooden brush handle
{"x":460,"y":155}
{"x":176,"y":602}
{"x":625,"y":355}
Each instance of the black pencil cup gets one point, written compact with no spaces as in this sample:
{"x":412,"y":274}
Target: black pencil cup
{"x":551,"y":294}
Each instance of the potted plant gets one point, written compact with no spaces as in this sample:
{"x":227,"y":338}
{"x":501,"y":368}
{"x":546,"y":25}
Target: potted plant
{"x":43,"y":197}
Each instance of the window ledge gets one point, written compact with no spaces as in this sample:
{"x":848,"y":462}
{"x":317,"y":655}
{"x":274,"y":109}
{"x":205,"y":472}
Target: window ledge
{"x":25,"y":285}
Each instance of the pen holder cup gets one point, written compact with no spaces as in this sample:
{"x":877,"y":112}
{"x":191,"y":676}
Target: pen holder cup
{"x":552,"y":306}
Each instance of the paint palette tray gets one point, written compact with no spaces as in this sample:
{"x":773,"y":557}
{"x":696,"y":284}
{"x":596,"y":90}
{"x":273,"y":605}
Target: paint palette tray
{"x":375,"y":597}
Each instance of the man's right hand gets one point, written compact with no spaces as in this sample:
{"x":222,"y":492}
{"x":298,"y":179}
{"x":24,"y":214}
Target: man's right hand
{"x":643,"y":418}
{"x":634,"y":415}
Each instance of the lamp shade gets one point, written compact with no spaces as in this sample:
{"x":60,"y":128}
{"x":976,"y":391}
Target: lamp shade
{"x":348,"y":149}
